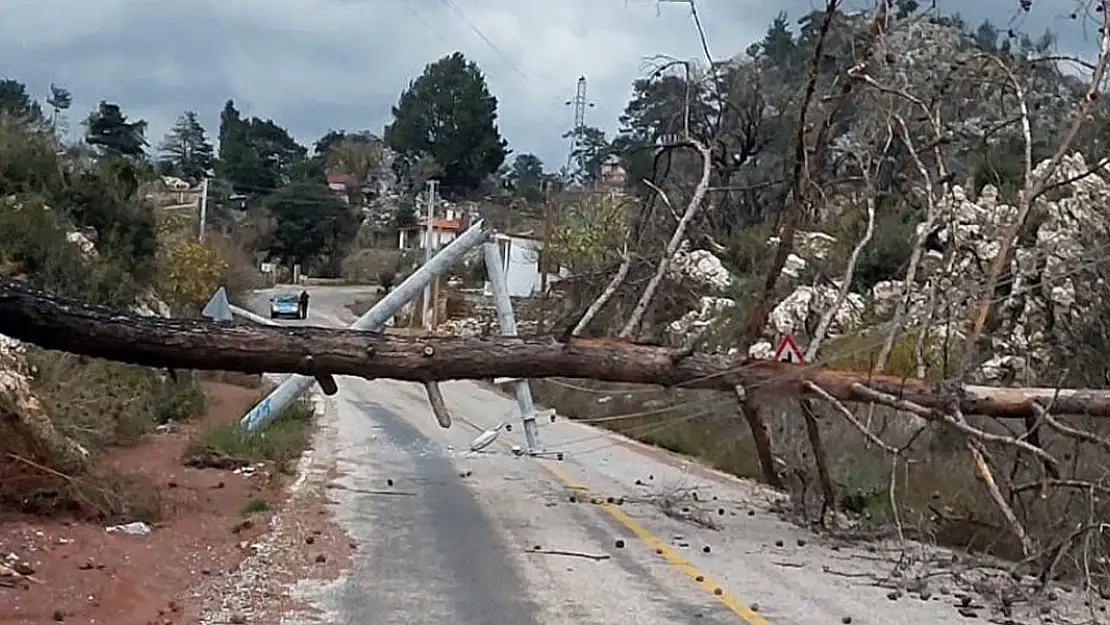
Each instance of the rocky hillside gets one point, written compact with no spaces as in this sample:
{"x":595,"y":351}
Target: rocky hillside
{"x":1050,"y":286}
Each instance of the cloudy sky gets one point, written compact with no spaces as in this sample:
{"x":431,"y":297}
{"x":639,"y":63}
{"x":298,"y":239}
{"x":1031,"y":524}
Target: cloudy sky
{"x":313,"y":65}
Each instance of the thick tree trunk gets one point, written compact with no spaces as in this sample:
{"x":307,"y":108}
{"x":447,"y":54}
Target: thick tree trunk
{"x":185,"y":344}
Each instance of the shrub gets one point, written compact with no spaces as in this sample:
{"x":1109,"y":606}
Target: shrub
{"x":888,"y":255}
{"x":191,"y":271}
{"x":35,"y":245}
{"x":101,"y":403}
{"x":280,"y":441}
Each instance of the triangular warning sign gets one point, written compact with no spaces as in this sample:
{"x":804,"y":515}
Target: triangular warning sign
{"x":788,"y":351}
{"x":218,"y":308}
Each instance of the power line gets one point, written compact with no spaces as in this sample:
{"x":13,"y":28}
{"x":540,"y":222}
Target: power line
{"x":425,"y":23}
{"x":489,"y":42}
{"x":498,"y":50}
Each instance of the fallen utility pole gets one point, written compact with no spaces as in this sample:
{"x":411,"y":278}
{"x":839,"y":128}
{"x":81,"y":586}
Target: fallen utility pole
{"x":295,"y":386}
{"x":499,"y":284}
{"x":62,"y":324}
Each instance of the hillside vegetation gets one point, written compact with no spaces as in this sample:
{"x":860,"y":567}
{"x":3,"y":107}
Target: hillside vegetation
{"x":74,"y":221}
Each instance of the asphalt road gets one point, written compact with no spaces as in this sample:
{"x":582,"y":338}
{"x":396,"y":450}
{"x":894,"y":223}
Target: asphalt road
{"x":451,"y":536}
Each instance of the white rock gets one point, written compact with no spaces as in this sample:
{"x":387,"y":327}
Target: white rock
{"x":701,"y":266}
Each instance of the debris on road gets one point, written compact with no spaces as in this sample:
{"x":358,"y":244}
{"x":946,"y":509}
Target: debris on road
{"x":485,"y":439}
{"x":138,"y":528}
{"x":573,"y":554}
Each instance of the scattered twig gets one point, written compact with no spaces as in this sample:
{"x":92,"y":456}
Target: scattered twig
{"x":573,"y":554}
{"x":680,"y":504}
{"x":851,"y":574}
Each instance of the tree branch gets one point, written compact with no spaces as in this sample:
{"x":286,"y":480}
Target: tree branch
{"x":692,"y":208}
{"x":1037,"y":181}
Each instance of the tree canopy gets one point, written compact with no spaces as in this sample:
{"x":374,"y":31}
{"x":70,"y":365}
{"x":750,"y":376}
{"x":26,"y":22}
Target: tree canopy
{"x":186,"y":150}
{"x":15,"y":102}
{"x":311,"y":222}
{"x":526,"y":177}
{"x":108,"y":130}
{"x":448,"y":115}
{"x":97,"y":197}
{"x":256,"y":156}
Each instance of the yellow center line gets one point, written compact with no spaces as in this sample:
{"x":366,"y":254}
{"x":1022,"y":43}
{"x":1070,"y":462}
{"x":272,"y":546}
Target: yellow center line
{"x":673,"y":557}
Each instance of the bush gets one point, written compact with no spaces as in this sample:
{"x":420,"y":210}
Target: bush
{"x":28,"y":161}
{"x":35,"y":246}
{"x":191,"y":271}
{"x":281,"y":441}
{"x":888,"y":255}
{"x":100,"y":403}
{"x":102,"y":198}
{"x":241,"y":274}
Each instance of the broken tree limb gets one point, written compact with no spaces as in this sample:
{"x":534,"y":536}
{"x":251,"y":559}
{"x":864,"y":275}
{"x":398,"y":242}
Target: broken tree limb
{"x":439,"y":406}
{"x":65,"y":325}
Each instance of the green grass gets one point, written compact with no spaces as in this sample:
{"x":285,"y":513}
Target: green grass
{"x":281,"y":441}
{"x":255,"y":506}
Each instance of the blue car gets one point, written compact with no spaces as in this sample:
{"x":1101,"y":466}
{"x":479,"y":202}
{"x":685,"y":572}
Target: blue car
{"x":285,"y":306}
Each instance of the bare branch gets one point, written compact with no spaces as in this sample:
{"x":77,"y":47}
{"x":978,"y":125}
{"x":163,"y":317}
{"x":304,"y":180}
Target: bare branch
{"x":1036,"y":182}
{"x":931,"y":215}
{"x":606,"y":294}
{"x":663,"y":196}
{"x":640,"y":309}
{"x":853,"y":261}
{"x":851,"y":418}
{"x":983,"y":472}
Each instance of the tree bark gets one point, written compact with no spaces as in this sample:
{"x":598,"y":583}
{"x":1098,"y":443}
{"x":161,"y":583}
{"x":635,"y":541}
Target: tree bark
{"x":65,"y":325}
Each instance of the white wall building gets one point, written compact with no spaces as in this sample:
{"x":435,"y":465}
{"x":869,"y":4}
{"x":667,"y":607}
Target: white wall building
{"x":520,"y":258}
{"x":444,"y":230}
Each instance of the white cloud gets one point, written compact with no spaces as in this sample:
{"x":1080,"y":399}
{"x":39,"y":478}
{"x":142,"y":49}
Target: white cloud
{"x":312,"y":65}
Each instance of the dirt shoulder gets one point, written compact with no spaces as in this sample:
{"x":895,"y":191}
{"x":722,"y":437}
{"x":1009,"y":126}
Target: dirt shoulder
{"x":211,"y":521}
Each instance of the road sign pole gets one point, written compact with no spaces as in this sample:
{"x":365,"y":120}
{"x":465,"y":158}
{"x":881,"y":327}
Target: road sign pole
{"x":296,"y":385}
{"x":500,"y":285}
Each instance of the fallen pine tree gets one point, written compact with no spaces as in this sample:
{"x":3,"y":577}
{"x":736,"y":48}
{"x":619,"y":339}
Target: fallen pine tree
{"x":59,"y":324}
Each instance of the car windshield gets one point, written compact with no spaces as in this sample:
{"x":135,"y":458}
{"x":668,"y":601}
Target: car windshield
{"x":287,"y":299}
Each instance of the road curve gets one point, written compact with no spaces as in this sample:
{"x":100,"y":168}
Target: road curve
{"x":450,"y":536}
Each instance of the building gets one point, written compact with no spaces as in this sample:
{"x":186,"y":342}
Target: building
{"x":613,"y":175}
{"x":342,"y":184}
{"x":521,"y":258}
{"x":444,"y":230}
{"x":172,"y":191}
